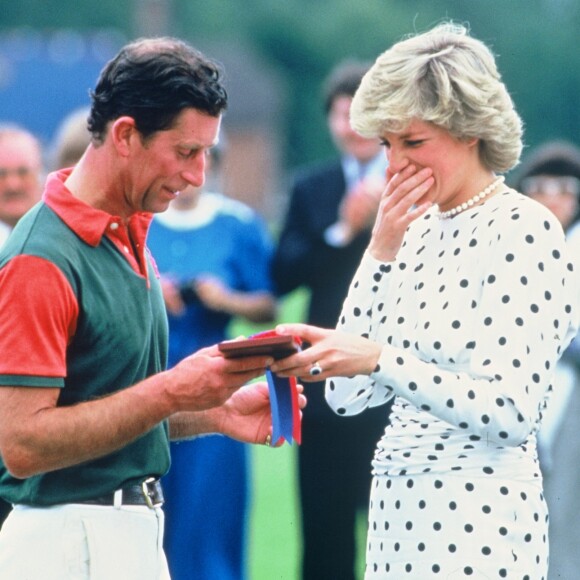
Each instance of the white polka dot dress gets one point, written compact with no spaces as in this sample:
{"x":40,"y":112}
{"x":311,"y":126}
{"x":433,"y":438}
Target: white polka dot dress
{"x":474,"y":313}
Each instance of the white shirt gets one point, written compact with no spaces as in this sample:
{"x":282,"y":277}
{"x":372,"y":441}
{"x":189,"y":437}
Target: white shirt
{"x":5,"y":230}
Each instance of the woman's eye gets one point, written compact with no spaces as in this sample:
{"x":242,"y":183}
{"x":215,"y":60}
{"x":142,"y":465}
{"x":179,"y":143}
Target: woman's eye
{"x":414,"y":143}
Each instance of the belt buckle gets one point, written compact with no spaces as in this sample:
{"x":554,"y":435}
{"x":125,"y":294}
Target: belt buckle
{"x":147,"y":493}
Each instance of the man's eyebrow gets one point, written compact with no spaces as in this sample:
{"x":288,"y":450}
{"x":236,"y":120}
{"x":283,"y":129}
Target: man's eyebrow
{"x":197,"y":145}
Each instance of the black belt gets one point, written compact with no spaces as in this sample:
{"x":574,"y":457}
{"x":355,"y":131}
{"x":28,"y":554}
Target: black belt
{"x":148,"y":493}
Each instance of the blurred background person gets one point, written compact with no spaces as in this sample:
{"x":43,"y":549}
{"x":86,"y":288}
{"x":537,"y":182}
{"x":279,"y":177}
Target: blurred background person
{"x":21,"y":175}
{"x":551,"y":175}
{"x":71,"y":139}
{"x":213,"y":254}
{"x":326,"y":230}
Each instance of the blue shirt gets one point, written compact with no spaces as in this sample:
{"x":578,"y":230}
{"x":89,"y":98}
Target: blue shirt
{"x":220,"y":237}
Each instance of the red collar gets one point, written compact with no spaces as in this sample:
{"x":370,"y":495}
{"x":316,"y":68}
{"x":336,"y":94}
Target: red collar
{"x":89,"y":223}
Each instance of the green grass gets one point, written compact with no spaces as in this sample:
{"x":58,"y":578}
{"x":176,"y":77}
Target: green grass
{"x":275,"y":543}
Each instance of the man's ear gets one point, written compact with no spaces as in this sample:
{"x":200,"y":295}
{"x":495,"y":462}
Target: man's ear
{"x":123,"y":134}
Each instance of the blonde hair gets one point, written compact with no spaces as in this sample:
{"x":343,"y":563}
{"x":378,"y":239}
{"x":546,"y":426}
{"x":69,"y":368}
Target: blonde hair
{"x":447,"y":78}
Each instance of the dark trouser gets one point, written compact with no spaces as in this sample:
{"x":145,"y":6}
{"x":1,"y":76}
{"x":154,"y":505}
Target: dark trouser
{"x":334,"y":477}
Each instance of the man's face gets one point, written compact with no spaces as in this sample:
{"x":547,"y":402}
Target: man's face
{"x":345,"y":138}
{"x":20,"y":176}
{"x":169,"y":161}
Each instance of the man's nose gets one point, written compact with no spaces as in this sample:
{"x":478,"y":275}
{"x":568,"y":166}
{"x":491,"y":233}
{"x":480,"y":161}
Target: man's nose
{"x":195,"y":172}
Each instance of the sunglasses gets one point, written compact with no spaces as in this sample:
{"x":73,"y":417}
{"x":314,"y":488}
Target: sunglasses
{"x":551,"y":185}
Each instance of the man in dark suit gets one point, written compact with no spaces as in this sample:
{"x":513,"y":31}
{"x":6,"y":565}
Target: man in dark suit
{"x":326,"y":230}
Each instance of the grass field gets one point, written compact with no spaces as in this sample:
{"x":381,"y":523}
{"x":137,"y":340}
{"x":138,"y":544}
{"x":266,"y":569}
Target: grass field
{"x":275,"y":543}
{"x":274,"y":529}
{"x":274,"y":537}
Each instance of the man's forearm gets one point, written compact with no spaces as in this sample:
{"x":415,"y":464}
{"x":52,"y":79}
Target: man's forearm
{"x":189,"y":425}
{"x":51,"y":437}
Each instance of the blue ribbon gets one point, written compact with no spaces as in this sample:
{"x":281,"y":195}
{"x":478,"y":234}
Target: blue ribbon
{"x":281,"y":407}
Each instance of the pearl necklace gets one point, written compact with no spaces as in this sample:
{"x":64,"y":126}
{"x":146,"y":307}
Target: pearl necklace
{"x":471,"y":202}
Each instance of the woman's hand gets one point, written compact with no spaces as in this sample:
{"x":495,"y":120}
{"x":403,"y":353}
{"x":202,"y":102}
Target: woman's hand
{"x":337,"y":354}
{"x":403,"y":201}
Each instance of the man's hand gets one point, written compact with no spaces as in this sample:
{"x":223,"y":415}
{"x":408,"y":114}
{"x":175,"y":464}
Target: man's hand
{"x":37,"y":435}
{"x":359,"y":208}
{"x":206,"y":379}
{"x":245,"y":416}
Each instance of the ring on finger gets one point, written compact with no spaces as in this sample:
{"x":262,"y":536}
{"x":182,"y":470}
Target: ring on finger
{"x":315,"y":369}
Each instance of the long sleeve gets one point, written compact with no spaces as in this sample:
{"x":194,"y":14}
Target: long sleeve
{"x":473,"y":321}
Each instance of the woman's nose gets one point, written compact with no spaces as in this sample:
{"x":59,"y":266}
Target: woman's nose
{"x":397,"y":160}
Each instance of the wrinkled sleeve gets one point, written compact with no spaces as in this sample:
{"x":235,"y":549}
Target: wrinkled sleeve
{"x":361,"y":312}
{"x":528,"y":317}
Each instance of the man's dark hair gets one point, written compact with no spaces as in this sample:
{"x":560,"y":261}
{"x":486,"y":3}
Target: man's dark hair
{"x":152,"y":81}
{"x":343,"y":80}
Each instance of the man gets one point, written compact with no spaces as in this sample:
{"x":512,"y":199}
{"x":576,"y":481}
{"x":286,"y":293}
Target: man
{"x":86,"y":407}
{"x":20,"y":175}
{"x":326,"y":231}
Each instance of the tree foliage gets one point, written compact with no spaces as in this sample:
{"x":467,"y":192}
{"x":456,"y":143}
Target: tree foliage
{"x":535,"y":41}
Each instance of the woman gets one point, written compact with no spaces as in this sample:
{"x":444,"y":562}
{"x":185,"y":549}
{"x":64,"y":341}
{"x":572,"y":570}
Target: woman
{"x":460,"y":309}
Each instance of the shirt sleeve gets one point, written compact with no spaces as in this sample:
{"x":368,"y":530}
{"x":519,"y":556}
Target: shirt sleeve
{"x":38,"y":316}
{"x":528,"y":316}
{"x":350,"y":396}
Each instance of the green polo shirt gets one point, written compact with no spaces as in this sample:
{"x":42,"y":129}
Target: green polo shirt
{"x":81,"y":309}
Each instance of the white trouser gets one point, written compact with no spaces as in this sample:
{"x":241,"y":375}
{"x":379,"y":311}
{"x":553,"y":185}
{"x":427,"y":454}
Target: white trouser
{"x":83,"y":542}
